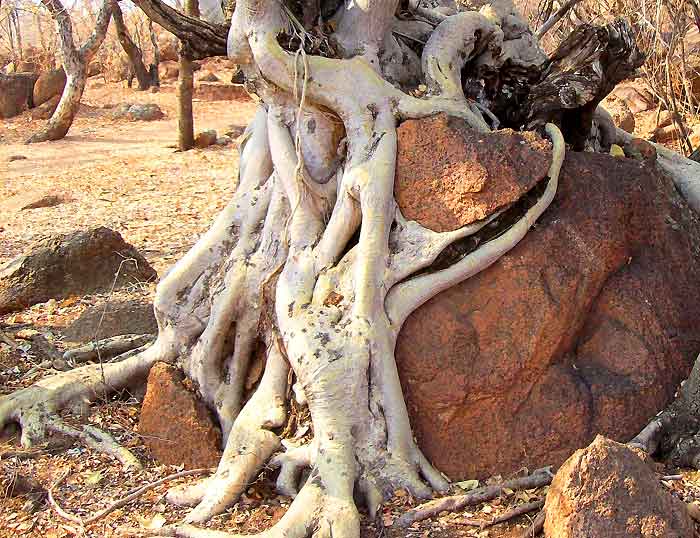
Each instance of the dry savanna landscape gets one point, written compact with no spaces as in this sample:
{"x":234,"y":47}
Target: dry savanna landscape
{"x":437,"y":275}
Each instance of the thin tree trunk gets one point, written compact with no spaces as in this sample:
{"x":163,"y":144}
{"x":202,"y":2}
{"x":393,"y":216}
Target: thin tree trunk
{"x":185,"y":89}
{"x":75,"y":62}
{"x":18,"y":33}
{"x":153,"y":68}
{"x":132,"y":51}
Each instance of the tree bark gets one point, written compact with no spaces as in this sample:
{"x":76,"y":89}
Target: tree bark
{"x":185,"y":90}
{"x":311,"y":263}
{"x":153,"y":67}
{"x":75,"y":64}
{"x":132,"y":51}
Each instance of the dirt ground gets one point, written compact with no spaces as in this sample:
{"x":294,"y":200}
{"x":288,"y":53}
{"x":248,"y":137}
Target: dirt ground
{"x":128,"y":176}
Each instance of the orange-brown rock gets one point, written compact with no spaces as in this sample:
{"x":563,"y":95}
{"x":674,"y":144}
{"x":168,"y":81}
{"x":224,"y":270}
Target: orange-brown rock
{"x":48,"y":85}
{"x":606,"y":490}
{"x":176,"y":426}
{"x":587,"y":326}
{"x":217,"y":91}
{"x":448,"y":176}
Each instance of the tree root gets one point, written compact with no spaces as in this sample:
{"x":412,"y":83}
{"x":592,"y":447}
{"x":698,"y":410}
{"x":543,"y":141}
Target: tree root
{"x":36,"y":408}
{"x":248,"y":447}
{"x":674,"y":434}
{"x":538,"y":479}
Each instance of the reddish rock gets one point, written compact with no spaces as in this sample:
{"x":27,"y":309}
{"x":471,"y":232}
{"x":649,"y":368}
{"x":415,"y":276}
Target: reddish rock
{"x":176,"y":426}
{"x":636,"y":100}
{"x":448,"y":176}
{"x":49,"y":84}
{"x":215,"y":91}
{"x":587,"y":326}
{"x":607,"y":490}
{"x":46,"y":110}
{"x":205,"y":139}
{"x":168,"y":70}
{"x":620,"y":113}
{"x":16,"y":93}
{"x":208,"y":76}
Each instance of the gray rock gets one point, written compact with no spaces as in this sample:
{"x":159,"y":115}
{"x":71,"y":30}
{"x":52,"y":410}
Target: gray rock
{"x":78,"y":263}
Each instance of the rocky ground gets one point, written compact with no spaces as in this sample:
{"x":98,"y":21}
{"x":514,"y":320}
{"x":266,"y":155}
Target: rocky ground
{"x":126,"y":175}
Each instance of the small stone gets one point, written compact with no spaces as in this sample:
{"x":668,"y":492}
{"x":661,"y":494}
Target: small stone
{"x":209,"y":77}
{"x":205,"y":139}
{"x":223,"y":141}
{"x":607,"y":489}
{"x":616,"y":151}
{"x":13,"y":158}
{"x":176,"y":426}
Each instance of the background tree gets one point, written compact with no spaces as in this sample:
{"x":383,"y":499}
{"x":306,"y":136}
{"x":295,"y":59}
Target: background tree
{"x":75,"y":63}
{"x":185,"y":89}
{"x":313,"y":263}
{"x":143,"y":76}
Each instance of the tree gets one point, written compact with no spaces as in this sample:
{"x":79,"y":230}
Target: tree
{"x":143,"y":76}
{"x":312,"y":260}
{"x":75,"y":63}
{"x":185,"y":90}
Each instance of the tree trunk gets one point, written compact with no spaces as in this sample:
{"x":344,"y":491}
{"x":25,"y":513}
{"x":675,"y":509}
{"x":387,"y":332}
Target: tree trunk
{"x":185,"y":90}
{"x":132,"y":51}
{"x":153,"y":67}
{"x":75,"y":64}
{"x":311,"y":262}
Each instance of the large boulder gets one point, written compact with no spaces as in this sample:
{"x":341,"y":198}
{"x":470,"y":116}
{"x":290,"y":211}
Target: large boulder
{"x":48,"y":85}
{"x":78,"y":263}
{"x":176,"y":426}
{"x":587,"y":326}
{"x":606,"y":490}
{"x":16,"y":93}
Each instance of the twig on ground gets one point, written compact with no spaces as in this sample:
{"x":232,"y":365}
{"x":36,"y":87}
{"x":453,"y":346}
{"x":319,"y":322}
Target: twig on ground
{"x":525,"y":508}
{"x":132,"y":495}
{"x":536,"y":526}
{"x":457,"y":502}
{"x":97,"y":440}
{"x":107,"y":348}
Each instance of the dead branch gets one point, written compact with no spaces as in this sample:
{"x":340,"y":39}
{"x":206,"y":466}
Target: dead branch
{"x":483,"y":494}
{"x":554,"y":19}
{"x":132,"y":495}
{"x":107,"y":348}
{"x":536,"y":526}
{"x":525,"y":508}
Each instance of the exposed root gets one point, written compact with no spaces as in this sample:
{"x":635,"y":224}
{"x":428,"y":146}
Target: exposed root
{"x":291,"y":463}
{"x":248,"y":447}
{"x":540,"y":478}
{"x":97,"y":440}
{"x":404,"y":298}
{"x":674,"y":434}
{"x":36,"y":408}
